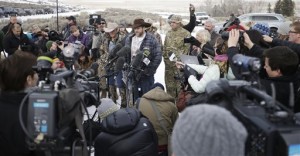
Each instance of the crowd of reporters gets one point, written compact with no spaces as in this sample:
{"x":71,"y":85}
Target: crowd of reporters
{"x":147,"y":122}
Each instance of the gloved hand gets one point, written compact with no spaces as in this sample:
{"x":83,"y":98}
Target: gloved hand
{"x":192,"y":9}
{"x":188,"y":71}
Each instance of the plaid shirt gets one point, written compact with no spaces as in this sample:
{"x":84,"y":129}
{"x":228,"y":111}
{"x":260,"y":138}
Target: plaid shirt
{"x":155,"y":51}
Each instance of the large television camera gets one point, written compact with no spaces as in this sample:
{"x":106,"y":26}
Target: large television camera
{"x":273,"y":129}
{"x":54,"y":111}
{"x":93,"y":19}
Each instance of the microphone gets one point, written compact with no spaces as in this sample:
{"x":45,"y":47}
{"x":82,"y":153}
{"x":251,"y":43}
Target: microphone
{"x":136,"y":62}
{"x":123,"y":52}
{"x":114,"y":51}
{"x":119,"y":64}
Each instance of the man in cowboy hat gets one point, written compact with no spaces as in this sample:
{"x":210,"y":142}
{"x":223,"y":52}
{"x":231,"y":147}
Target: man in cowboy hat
{"x":147,"y":43}
{"x":112,"y":40}
{"x":174,"y":43}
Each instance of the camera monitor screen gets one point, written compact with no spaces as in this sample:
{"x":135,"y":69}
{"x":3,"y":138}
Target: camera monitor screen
{"x":187,"y":59}
{"x":294,"y":150}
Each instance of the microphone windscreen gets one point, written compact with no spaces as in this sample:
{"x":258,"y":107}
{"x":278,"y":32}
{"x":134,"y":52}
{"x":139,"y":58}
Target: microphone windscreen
{"x":123,"y":52}
{"x":119,"y":64}
{"x":136,"y":62}
{"x":114,"y":51}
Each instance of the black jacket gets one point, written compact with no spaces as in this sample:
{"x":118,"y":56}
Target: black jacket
{"x":281,"y":84}
{"x":11,"y":43}
{"x":294,"y":46}
{"x":191,"y":25}
{"x":126,"y":133}
{"x":5,"y":28}
{"x":12,"y":138}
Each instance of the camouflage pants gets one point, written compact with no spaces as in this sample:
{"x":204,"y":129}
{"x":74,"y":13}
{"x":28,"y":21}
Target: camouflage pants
{"x":172,"y":85}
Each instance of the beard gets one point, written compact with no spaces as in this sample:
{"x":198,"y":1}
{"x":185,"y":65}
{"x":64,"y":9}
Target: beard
{"x":139,"y":34}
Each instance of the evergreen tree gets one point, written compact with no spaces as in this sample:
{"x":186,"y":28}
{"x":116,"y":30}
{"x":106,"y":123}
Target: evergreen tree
{"x":277,"y":8}
{"x":287,"y":7}
{"x":269,"y":8}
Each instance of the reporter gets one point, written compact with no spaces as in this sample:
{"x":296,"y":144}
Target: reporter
{"x":209,"y":73}
{"x":16,"y":78}
{"x":281,"y":66}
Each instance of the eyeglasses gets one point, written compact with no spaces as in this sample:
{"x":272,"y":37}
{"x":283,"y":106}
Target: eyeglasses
{"x":102,"y":23}
{"x":295,"y":32}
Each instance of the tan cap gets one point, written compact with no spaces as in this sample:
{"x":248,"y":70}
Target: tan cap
{"x":110,"y":27}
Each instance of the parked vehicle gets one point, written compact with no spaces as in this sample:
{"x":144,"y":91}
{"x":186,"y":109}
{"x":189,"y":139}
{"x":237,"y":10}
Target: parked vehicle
{"x":275,"y":21}
{"x":201,"y":17}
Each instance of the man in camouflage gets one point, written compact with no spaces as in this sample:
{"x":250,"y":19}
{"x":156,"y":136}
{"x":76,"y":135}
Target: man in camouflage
{"x":99,"y":54}
{"x":114,"y":38}
{"x":174,"y":44}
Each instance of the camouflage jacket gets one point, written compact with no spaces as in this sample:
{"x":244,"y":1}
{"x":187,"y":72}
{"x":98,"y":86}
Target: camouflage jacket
{"x":174,"y":42}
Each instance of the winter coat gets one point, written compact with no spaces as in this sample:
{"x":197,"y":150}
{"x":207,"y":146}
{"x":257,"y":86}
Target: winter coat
{"x":165,"y":105}
{"x":126,"y":133}
{"x":83,"y":38}
{"x":11,"y":43}
{"x":209,"y":73}
{"x":12,"y":137}
{"x":155,"y":56}
{"x":281,"y":84}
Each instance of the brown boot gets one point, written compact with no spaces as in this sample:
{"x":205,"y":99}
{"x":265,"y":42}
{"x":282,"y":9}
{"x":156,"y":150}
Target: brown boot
{"x":103,"y":93}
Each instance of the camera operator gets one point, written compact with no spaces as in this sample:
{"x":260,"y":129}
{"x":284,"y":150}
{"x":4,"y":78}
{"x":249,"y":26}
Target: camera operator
{"x":281,"y":65}
{"x":98,"y":38}
{"x":12,"y":20}
{"x":66,"y":30}
{"x":192,"y":71}
{"x":16,"y":78}
{"x":78,"y":37}
{"x":293,"y":42}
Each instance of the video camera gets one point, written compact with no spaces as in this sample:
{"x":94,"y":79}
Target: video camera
{"x":225,"y":36}
{"x":93,"y":19}
{"x":273,"y":129}
{"x":54,"y":110}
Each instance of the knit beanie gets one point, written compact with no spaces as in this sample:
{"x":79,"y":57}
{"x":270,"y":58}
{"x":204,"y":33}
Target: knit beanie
{"x":208,"y":130}
{"x":106,"y":107}
{"x":48,"y":45}
{"x":263,"y":28}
